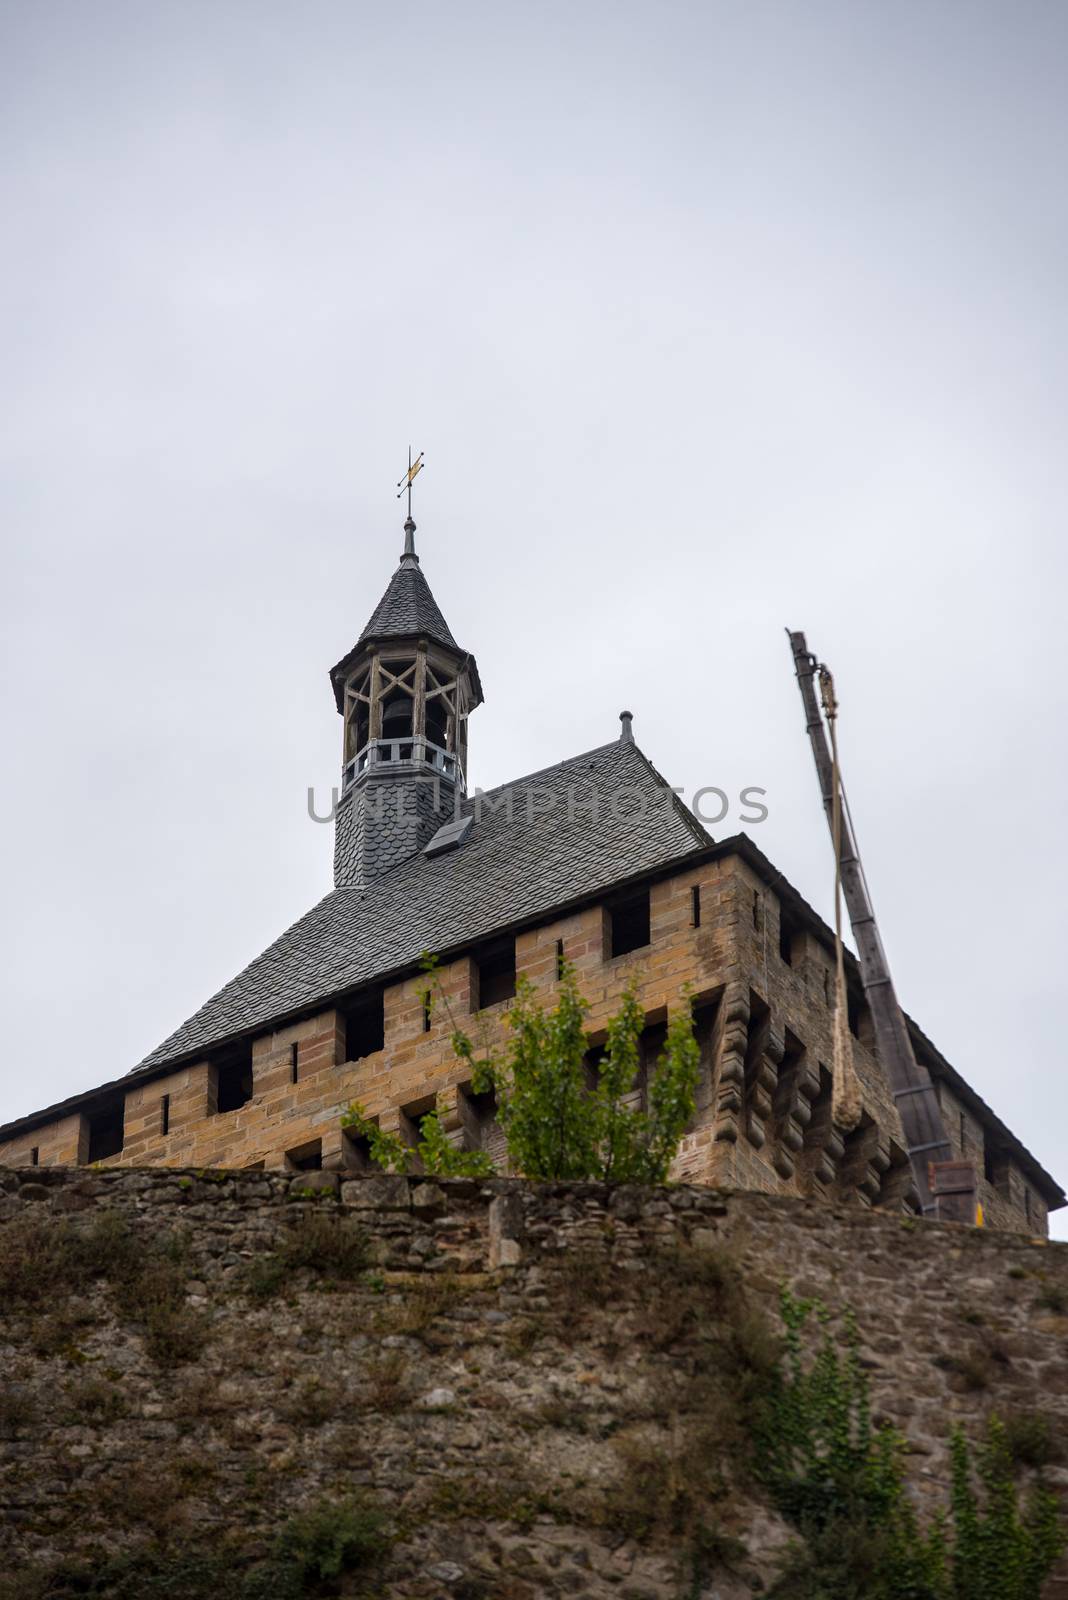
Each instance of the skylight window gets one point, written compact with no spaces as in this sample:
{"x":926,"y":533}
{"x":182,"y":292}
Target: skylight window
{"x":449,"y":836}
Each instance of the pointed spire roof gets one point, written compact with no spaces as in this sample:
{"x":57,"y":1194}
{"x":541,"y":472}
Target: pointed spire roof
{"x":407,"y":610}
{"x":408,"y":606}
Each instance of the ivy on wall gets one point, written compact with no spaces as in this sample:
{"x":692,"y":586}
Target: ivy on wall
{"x":840,"y":1481}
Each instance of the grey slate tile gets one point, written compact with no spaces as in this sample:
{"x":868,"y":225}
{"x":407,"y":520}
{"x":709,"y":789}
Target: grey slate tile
{"x":408,"y":607}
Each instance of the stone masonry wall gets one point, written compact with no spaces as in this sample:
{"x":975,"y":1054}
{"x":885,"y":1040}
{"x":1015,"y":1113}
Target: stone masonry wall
{"x":490,"y":1371}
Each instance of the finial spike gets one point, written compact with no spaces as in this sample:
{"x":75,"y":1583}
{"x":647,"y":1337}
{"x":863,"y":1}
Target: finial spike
{"x":626,"y":733}
{"x":409,"y":541}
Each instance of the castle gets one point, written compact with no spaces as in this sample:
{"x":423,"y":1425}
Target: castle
{"x":593,"y":861}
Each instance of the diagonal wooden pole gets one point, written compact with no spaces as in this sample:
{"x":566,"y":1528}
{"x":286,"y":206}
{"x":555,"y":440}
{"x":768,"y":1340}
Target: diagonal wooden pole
{"x":946,"y":1186}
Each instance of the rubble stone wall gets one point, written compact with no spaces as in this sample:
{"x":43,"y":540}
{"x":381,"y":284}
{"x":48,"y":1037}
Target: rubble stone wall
{"x":488,"y":1365}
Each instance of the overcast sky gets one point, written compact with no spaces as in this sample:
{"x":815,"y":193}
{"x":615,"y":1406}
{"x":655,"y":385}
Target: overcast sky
{"x":712,"y":319}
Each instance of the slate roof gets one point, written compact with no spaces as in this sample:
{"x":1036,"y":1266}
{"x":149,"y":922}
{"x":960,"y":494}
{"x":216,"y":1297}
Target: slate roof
{"x":408,"y":607}
{"x":406,"y":610}
{"x":505,"y":872}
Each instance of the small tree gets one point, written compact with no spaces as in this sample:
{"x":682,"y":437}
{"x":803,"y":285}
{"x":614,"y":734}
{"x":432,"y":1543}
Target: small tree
{"x":557,"y":1123}
{"x":539,"y":1082}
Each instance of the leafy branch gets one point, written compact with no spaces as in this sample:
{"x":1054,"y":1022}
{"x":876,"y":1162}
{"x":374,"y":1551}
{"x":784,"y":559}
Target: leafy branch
{"x":433,"y":1154}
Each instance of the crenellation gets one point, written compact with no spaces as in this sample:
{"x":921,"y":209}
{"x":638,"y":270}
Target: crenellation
{"x":764,"y":1101}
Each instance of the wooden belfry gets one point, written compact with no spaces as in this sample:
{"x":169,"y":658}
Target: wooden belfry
{"x":946,"y":1187}
{"x":405,"y":691}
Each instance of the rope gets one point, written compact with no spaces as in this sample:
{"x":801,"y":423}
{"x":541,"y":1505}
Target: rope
{"x":845,"y":1092}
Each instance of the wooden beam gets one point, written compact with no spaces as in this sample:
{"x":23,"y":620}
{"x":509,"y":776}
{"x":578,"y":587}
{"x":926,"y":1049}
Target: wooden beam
{"x":419,"y":708}
{"x":376,"y":698}
{"x":909,"y":1081}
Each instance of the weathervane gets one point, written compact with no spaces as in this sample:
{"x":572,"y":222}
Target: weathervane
{"x":414,"y":468}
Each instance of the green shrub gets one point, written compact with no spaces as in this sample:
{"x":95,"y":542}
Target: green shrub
{"x":1001,"y":1551}
{"x":331,"y":1539}
{"x":555,"y":1124}
{"x":146,"y":1573}
{"x":1030,"y":1439}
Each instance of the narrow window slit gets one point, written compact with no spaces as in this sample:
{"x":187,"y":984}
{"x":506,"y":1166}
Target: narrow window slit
{"x":164,"y":1113}
{"x":294,"y":1062}
{"x":695,"y":906}
{"x":788,"y":933}
{"x":856,"y":1014}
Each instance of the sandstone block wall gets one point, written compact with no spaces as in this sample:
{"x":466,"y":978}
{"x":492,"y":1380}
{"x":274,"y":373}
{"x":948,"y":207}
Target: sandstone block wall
{"x":763,"y":1119}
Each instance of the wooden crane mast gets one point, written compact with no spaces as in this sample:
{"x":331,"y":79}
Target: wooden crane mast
{"x":946,"y":1187}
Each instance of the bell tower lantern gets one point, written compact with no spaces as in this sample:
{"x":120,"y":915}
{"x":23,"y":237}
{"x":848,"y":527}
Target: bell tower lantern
{"x":405,"y":692}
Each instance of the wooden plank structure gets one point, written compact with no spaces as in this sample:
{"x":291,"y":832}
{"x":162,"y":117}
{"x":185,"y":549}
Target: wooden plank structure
{"x":946,"y":1186}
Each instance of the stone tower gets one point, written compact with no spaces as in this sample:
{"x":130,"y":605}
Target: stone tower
{"x":405,"y":691}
